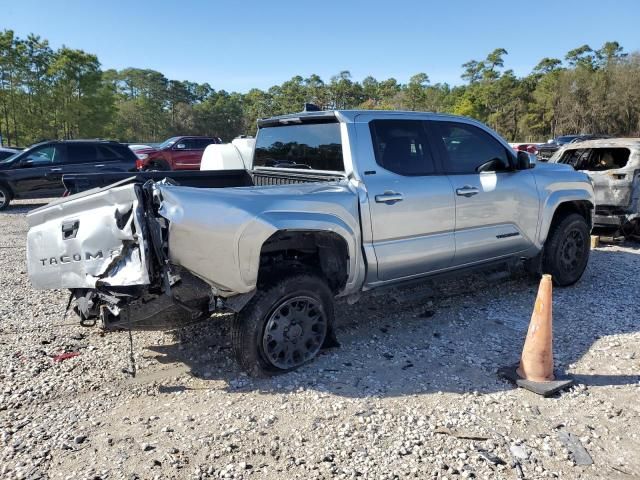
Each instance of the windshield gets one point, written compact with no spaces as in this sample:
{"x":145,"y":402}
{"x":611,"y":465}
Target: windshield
{"x":11,"y":158}
{"x":168,"y":142}
{"x":566,"y":139}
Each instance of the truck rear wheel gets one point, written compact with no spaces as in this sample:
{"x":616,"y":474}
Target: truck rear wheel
{"x":566,"y":251}
{"x":284,"y":325}
{"x":5,"y":197}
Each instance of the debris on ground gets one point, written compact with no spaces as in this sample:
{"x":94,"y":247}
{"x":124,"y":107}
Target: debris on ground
{"x":357,"y":411}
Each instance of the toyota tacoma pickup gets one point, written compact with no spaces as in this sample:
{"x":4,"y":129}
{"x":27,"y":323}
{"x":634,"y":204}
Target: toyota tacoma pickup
{"x":336,"y":203}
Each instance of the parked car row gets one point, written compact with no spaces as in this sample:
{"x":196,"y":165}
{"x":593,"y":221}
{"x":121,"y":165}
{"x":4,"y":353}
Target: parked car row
{"x":37,"y":171}
{"x":175,"y":153}
{"x":545,"y":151}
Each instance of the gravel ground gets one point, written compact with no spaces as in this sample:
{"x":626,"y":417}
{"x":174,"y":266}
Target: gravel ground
{"x":411,"y":393}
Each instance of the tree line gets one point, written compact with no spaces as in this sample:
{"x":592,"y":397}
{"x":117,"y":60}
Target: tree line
{"x":64,"y":93}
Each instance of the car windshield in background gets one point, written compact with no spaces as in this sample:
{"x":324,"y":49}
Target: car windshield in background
{"x":310,"y":146}
{"x":167,"y":143}
{"x":12,"y":157}
{"x":566,"y":139}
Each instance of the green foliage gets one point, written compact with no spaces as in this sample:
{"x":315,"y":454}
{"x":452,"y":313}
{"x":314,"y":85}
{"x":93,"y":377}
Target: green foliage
{"x":65,"y":94}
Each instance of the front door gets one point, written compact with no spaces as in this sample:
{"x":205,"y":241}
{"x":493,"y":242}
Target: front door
{"x":37,"y":173}
{"x":496,"y":205}
{"x":412,"y":205}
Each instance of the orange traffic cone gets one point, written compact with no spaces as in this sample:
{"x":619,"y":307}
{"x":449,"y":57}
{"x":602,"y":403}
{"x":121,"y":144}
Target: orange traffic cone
{"x":536,"y":362}
{"x":535,"y":372}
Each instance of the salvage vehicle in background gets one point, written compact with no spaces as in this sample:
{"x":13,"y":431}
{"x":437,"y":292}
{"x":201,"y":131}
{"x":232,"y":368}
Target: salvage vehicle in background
{"x":37,"y":171}
{"x":175,"y":153}
{"x":546,"y":150}
{"x":339,"y":202}
{"x":614,"y":167}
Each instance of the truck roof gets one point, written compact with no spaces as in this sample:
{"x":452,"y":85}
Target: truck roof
{"x":348,"y":116}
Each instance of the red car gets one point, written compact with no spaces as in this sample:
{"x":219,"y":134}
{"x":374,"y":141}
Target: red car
{"x":175,"y":153}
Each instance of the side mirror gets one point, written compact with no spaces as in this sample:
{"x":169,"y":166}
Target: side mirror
{"x":181,"y":146}
{"x":25,"y":163}
{"x":525,"y":160}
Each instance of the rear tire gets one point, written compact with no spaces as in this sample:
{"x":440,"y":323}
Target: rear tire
{"x":158,"y":167}
{"x":566,"y":251}
{"x":5,"y":197}
{"x":284,"y":325}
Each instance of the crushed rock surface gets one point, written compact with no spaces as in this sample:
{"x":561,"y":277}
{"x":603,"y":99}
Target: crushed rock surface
{"x":412,"y":391}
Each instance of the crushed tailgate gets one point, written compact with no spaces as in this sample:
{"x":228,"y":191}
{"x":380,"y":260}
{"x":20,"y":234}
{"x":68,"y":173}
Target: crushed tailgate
{"x":89,"y":240}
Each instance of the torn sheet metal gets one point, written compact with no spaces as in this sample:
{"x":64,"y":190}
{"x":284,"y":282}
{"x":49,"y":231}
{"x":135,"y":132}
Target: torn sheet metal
{"x":88,"y":240}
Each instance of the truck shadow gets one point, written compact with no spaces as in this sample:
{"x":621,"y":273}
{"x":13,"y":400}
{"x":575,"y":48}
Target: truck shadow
{"x":451,"y":340}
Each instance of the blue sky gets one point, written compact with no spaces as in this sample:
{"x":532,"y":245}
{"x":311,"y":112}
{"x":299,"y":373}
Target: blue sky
{"x":245,"y":44}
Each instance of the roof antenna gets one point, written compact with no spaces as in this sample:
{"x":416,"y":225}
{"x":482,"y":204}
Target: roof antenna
{"x":311,"y":107}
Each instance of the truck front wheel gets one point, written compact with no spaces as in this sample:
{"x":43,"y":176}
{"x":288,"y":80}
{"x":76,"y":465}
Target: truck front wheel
{"x":284,"y":325}
{"x":566,"y":251}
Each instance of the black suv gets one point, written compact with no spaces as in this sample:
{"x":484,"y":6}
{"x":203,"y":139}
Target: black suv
{"x":37,"y":171}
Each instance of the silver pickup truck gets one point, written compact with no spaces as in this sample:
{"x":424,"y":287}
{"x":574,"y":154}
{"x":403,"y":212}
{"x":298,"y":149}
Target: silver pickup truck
{"x":338,"y":202}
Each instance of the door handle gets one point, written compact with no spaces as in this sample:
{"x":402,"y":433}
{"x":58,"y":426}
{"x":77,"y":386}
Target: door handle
{"x":467,"y":191}
{"x":56,"y":170}
{"x":389,"y":198}
{"x":98,"y":166}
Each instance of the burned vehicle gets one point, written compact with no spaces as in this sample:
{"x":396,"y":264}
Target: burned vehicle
{"x":614,"y":168}
{"x":334,"y":203}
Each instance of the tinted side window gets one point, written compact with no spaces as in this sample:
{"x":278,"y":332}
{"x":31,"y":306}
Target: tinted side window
{"x":190,"y":143}
{"x":401,"y":146}
{"x":468,"y":147}
{"x":107,"y":153}
{"x":203,"y":143}
{"x":122,"y":151}
{"x":311,"y":146}
{"x":81,"y":153}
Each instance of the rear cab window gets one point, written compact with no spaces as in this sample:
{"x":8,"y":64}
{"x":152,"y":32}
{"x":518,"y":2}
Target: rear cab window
{"x":305,"y":146}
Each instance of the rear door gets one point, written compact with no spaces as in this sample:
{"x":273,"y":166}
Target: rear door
{"x":496,"y":206}
{"x":80,"y":158}
{"x":115,"y":158}
{"x":411,"y":203}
